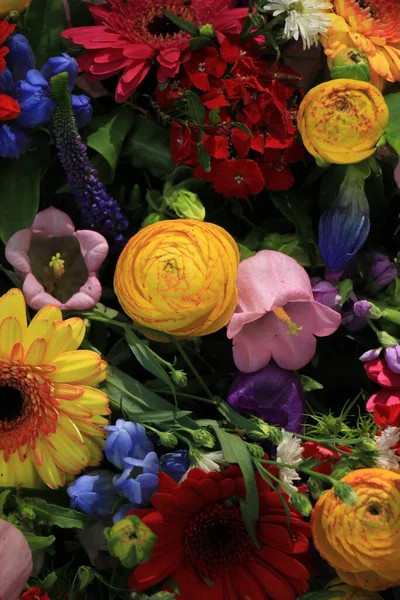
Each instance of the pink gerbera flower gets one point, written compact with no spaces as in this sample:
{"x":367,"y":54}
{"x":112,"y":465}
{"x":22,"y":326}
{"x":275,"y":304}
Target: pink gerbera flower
{"x":130,"y":35}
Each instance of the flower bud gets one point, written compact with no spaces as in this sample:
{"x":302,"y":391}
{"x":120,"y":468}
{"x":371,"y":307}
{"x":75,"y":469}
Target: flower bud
{"x":130,"y":541}
{"x":187,"y":205}
{"x":362,"y":308}
{"x":386,"y":340}
{"x":20,"y":58}
{"x":61,"y":64}
{"x":207,"y":31}
{"x":203,"y":438}
{"x":179,"y":378}
{"x":301,"y":503}
{"x":344,"y":226}
{"x":82,"y":109}
{"x":152,"y":218}
{"x":392,"y":356}
{"x":345,"y":492}
{"x":382,"y":270}
{"x":350,"y":63}
{"x":255,"y":450}
{"x":168,"y":439}
{"x":33,"y":96}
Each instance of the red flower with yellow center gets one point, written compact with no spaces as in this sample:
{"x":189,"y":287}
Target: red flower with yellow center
{"x":130,"y":35}
{"x":371,"y":26}
{"x":203,"y":545}
{"x":51,"y":423}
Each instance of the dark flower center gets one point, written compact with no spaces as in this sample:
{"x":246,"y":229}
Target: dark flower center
{"x":162,"y":26}
{"x":216,"y":540}
{"x":11,"y":403}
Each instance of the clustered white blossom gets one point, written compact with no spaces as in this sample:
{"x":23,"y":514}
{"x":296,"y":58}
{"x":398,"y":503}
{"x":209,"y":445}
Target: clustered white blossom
{"x":289,"y":451}
{"x":387,"y":458}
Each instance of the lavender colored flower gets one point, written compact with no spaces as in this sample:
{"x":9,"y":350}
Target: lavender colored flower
{"x":383,"y":271}
{"x":126,"y":440}
{"x":362,"y":308}
{"x":351,"y":321}
{"x":175,"y":464}
{"x":138,"y":488}
{"x":392,"y":356}
{"x":325,"y":293}
{"x":273,"y":394}
{"x":370,"y":354}
{"x":98,"y":210}
{"x":94,"y":494}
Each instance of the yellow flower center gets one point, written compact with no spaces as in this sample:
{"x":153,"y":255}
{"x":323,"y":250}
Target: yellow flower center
{"x":284,"y":317}
{"x":57,"y":265}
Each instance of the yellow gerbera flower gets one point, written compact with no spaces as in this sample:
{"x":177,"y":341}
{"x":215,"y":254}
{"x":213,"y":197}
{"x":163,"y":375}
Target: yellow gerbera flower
{"x":51,"y":423}
{"x":371,"y":26}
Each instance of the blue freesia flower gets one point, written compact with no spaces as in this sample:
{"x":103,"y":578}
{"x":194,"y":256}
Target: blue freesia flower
{"x":138,"y":487}
{"x":31,"y":89}
{"x":21,"y":58}
{"x":61,"y":64}
{"x":344,"y":227}
{"x":175,"y":464}
{"x":94,"y":494}
{"x":126,"y":440}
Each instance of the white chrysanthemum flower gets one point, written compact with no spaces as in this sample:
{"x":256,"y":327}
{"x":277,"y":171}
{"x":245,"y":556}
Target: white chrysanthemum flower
{"x":289,"y":451}
{"x":305,"y":18}
{"x":210,"y":461}
{"x":387,"y":458}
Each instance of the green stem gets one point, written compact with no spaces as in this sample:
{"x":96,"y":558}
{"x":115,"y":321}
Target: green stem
{"x":192,"y":368}
{"x":309,"y":472}
{"x":189,"y":396}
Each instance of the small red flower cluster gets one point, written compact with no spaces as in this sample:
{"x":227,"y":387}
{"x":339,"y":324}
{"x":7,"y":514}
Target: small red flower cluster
{"x":34,"y":593}
{"x":328,"y":458}
{"x":248,"y":134}
{"x":9,"y":108}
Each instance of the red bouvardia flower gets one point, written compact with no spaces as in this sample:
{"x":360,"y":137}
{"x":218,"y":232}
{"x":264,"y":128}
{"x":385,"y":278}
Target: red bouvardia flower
{"x":238,"y":178}
{"x":34,"y":593}
{"x":202,"y":542}
{"x":327,"y":457}
{"x":130,"y":35}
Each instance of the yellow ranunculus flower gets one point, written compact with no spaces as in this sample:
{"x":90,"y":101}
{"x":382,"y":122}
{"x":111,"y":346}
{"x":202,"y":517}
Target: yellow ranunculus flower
{"x":6,"y":6}
{"x":362,"y":541}
{"x":179,"y":277}
{"x":352,"y":593}
{"x":342,"y":120}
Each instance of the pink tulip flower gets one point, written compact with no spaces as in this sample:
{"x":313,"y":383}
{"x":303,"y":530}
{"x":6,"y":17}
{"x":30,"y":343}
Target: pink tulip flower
{"x":15,"y":561}
{"x":57,"y":264}
{"x":276,"y":316}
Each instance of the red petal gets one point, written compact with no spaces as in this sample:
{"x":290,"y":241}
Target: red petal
{"x":9,"y":108}
{"x":227,"y":489}
{"x":271,"y":582}
{"x":284,"y":563}
{"x":209,"y":490}
{"x":276,"y":536}
{"x":163,"y":503}
{"x":246,"y":585}
{"x":155,"y":570}
{"x":187,"y":500}
{"x":166,"y":484}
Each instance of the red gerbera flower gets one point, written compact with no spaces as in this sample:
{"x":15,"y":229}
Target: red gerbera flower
{"x":202,"y":542}
{"x":130,"y":35}
{"x":238,"y":178}
{"x":34,"y":593}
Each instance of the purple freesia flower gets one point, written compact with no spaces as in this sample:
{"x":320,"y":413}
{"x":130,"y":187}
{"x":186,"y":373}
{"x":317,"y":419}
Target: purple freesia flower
{"x":140,"y":488}
{"x":372,"y":354}
{"x":383,"y":271}
{"x":325,"y":292}
{"x":392,"y":356}
{"x":126,"y":440}
{"x":273,"y":394}
{"x":361,"y":308}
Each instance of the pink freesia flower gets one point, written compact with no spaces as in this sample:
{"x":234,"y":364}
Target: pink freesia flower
{"x":58,"y":265}
{"x":15,"y":561}
{"x":276,"y":316}
{"x":130,"y":35}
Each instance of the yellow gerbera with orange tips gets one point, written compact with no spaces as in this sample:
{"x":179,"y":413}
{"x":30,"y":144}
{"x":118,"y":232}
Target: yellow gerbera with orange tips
{"x":51,"y":416}
{"x":371,"y":26}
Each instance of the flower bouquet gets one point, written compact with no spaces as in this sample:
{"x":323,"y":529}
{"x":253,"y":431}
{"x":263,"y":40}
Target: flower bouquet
{"x":199,"y":299}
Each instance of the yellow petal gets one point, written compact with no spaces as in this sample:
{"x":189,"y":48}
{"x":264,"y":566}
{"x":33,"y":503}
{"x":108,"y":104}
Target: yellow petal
{"x":92,"y":427}
{"x":10,"y":334}
{"x":66,"y":391}
{"x":52,"y":475}
{"x":17,"y":473}
{"x":78,"y":328}
{"x":95,"y":400}
{"x":17,"y":353}
{"x":12,"y":304}
{"x":70,"y":429}
{"x":48,"y":313}
{"x":38,"y":329}
{"x":59,"y":341}
{"x":74,"y":410}
{"x":69,"y":457}
{"x":79,"y":366}
{"x":36,"y":352}
{"x":95,"y":445}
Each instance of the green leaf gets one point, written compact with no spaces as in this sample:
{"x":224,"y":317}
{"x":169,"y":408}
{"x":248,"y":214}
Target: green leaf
{"x":158,"y":416}
{"x":107,"y":134}
{"x":84,"y":577}
{"x":45,"y":20}
{"x":214,"y":116}
{"x":197,"y":43}
{"x":130,"y":396}
{"x":182,"y":23}
{"x":3,"y":499}
{"x":203,"y":156}
{"x":309,"y":384}
{"x":393,"y":128}
{"x":20,"y":192}
{"x":194,"y":108}
{"x":235,"y":451}
{"x":50,"y":514}
{"x":242,"y":127}
{"x":38,"y":542}
{"x":291,"y":207}
{"x":144,"y":356}
{"x":148,"y":148}
{"x":235,"y":419}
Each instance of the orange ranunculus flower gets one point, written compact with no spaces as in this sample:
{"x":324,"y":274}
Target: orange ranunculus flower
{"x":6,"y":6}
{"x":352,"y":593}
{"x":362,"y":541}
{"x":179,"y":277}
{"x":342,"y":120}
{"x":373,"y":28}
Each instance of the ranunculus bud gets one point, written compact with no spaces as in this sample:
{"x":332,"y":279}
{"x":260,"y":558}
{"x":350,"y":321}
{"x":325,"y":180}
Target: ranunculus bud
{"x":130,"y":540}
{"x":350,"y":63}
{"x":187,"y":205}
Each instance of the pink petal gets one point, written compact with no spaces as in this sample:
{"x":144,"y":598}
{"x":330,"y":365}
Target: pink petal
{"x":87,"y":297}
{"x":35,"y":295}
{"x":138,"y":51}
{"x":15,"y":561}
{"x":94,"y":248}
{"x":240,"y":319}
{"x":315,"y":317}
{"x":250,"y":352}
{"x":397,"y":174}
{"x":169,"y":58}
{"x":54,"y":222}
{"x":125,"y":89}
{"x":17,"y":251}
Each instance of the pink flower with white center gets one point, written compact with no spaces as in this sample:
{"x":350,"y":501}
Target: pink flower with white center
{"x":57,"y":264}
{"x":276,"y":316}
{"x":130,"y":35}
{"x":15,"y":561}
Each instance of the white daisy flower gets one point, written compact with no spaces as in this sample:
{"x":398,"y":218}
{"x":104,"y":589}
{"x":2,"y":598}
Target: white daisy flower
{"x":210,"y":461}
{"x":387,"y":458}
{"x":289,"y":451}
{"x":305,"y":18}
